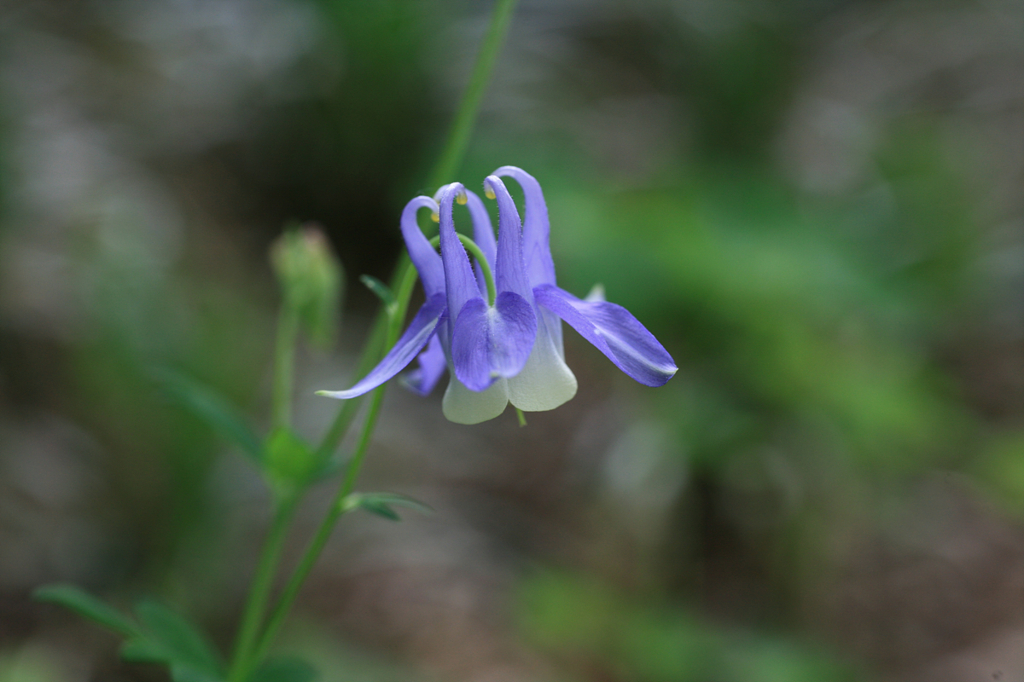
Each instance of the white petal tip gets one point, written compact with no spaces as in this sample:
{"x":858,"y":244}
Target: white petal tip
{"x":545,"y":383}
{"x":337,"y":395}
{"x":463,"y":406}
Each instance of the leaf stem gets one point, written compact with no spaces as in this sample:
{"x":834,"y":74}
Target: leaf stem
{"x":323,"y":533}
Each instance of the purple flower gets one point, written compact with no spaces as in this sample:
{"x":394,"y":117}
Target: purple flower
{"x":504,"y":342}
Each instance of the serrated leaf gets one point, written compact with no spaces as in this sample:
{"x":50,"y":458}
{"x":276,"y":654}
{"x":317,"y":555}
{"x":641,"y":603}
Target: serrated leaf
{"x":183,"y":644}
{"x":87,"y":606}
{"x":284,"y":670}
{"x":382,"y":290}
{"x":210,"y":407}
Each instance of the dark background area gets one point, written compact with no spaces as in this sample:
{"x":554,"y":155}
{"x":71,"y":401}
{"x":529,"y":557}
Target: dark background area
{"x":815,"y":206}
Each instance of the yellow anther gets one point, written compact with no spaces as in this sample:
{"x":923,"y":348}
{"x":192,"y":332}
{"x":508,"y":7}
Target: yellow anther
{"x":488,"y":192}
{"x":436,"y":217}
{"x":461,"y":198}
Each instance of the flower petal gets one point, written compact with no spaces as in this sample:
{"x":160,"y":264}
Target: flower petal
{"x":415,"y":337}
{"x":510,"y":269}
{"x":463,"y":406}
{"x":423,"y":255}
{"x":483,"y":235}
{"x":490,"y":342}
{"x":615,"y":332}
{"x":540,"y":268}
{"x":460,"y":282}
{"x":545,"y":382}
{"x":432,"y":364}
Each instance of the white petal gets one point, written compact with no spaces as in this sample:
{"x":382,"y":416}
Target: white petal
{"x":545,"y":382}
{"x":463,"y":406}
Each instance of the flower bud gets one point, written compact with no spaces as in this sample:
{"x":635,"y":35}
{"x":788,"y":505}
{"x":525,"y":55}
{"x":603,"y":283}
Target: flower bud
{"x":311,"y":279}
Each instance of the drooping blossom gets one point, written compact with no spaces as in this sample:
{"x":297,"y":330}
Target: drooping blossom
{"x":509,"y":348}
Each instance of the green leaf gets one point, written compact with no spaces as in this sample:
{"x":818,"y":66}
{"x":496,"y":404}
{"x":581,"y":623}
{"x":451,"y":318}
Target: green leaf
{"x":212,"y":408}
{"x":382,"y":290}
{"x":184,"y":673}
{"x":144,"y":650}
{"x":381,"y":504}
{"x":290,"y":460}
{"x":87,"y":606}
{"x":180,"y":642}
{"x":284,"y":670}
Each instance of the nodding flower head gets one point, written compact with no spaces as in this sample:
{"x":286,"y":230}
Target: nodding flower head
{"x":496,"y":325}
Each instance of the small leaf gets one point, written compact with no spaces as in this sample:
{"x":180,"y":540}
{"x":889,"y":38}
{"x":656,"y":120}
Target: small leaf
{"x":381,"y":504}
{"x":183,"y":644}
{"x":380,"y":509}
{"x":382,"y":290}
{"x":284,"y":670}
{"x":87,"y":606}
{"x":212,"y":408}
{"x":290,"y":460}
{"x":145,"y":650}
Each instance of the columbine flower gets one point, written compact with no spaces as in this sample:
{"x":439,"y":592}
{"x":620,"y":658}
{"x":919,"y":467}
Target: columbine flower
{"x":506,"y":347}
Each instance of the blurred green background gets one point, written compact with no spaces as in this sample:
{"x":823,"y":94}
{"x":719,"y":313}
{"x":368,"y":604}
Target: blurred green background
{"x":815,"y":206}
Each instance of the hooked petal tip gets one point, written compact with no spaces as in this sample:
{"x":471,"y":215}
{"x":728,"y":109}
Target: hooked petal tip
{"x":489,"y":189}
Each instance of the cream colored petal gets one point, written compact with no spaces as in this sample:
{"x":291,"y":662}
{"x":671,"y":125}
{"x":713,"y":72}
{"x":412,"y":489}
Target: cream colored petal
{"x":463,"y":406}
{"x":545,"y":382}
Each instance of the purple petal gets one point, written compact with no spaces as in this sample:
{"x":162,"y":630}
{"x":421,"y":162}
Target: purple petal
{"x":432,"y":365}
{"x":510,"y":270}
{"x":492,"y":342}
{"x":540,"y":268}
{"x":424,"y":257}
{"x":460,"y":282}
{"x":615,"y":332}
{"x":483,"y":235}
{"x":415,"y":337}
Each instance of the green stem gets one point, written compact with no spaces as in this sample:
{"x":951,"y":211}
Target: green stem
{"x":284,"y":365}
{"x":259,"y":593}
{"x":462,"y":128}
{"x":323,"y":533}
{"x":451,"y":158}
{"x":387,"y":325}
